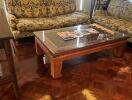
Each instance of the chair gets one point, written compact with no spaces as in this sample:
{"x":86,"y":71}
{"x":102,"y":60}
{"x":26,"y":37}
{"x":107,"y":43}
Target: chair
{"x":118,"y":16}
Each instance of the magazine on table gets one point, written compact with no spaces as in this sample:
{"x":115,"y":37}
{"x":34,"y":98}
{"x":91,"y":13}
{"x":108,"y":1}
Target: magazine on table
{"x":68,"y":35}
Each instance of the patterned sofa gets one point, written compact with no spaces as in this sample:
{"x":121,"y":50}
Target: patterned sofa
{"x":26,"y":16}
{"x":117,"y":17}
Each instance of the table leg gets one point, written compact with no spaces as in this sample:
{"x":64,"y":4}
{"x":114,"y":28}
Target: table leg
{"x":56,"y":67}
{"x":40,"y":54}
{"x":38,"y":49}
{"x":119,"y":51}
{"x":40,"y":59}
{"x":8,"y":52}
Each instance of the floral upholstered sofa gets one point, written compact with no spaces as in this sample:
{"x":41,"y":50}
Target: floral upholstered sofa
{"x":26,"y":16}
{"x":117,"y":17}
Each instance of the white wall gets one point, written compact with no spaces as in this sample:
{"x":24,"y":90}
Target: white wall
{"x":1,"y":3}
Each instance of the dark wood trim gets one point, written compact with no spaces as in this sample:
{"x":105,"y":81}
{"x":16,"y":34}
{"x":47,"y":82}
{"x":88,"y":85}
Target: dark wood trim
{"x":12,"y":78}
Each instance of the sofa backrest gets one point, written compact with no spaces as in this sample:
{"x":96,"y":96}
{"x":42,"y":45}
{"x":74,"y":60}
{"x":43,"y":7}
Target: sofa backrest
{"x":40,"y":8}
{"x":126,"y":11}
{"x":121,"y":9}
{"x":115,"y":7}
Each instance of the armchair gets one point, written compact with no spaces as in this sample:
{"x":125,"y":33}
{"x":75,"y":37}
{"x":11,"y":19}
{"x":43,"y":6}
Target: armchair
{"x":118,"y":16}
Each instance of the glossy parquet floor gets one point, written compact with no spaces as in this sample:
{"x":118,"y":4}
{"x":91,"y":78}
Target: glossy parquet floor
{"x":98,"y":76}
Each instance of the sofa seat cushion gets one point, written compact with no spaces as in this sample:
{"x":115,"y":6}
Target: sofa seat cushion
{"x":114,"y":23}
{"x":33,"y":24}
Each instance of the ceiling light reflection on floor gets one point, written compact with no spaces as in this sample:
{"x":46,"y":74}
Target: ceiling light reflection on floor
{"x":88,"y":95}
{"x":45,"y":97}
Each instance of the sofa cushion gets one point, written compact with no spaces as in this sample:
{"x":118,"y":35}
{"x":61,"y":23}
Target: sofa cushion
{"x":115,"y":7}
{"x":114,"y":23}
{"x":59,"y":7}
{"x":27,"y":8}
{"x":31,"y":24}
{"x":121,"y":9}
{"x":40,"y":8}
{"x":126,"y":11}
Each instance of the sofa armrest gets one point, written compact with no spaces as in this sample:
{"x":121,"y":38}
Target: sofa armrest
{"x":12,"y":20}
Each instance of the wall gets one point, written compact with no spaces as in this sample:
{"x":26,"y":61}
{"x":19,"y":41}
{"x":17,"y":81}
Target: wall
{"x":1,"y":3}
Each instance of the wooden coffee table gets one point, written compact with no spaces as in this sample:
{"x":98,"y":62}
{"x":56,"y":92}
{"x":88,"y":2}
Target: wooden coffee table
{"x":58,"y":50}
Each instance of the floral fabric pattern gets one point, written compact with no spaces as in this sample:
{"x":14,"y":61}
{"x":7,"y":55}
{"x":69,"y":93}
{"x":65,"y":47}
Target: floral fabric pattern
{"x":17,"y":34}
{"x":26,"y":26}
{"x":126,"y":12}
{"x":59,"y":7}
{"x":40,"y":8}
{"x":12,"y":20}
{"x":31,"y":24}
{"x":113,"y":22}
{"x":120,"y":9}
{"x":115,"y":7}
{"x":26,"y":16}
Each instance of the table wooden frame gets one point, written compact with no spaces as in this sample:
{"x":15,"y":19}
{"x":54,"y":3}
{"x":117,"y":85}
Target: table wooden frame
{"x":56,"y":61}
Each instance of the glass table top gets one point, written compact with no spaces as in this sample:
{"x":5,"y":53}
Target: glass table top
{"x":57,"y":44}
